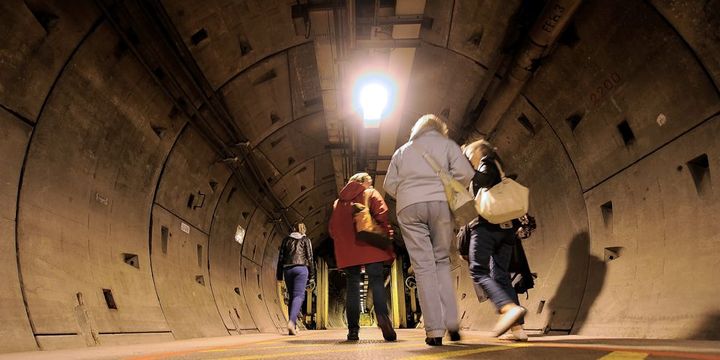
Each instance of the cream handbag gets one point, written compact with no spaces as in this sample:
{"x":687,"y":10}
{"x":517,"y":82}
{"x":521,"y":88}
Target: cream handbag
{"x":505,"y":201}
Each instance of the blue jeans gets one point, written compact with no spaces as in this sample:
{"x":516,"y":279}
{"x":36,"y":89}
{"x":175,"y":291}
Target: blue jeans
{"x":376,"y":284}
{"x":296,"y":278}
{"x":490,"y":253}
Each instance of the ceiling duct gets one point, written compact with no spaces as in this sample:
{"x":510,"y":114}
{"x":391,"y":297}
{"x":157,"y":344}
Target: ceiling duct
{"x":547,"y":29}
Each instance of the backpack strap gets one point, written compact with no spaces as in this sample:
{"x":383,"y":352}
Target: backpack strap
{"x":430,"y":160}
{"x":367,"y":194}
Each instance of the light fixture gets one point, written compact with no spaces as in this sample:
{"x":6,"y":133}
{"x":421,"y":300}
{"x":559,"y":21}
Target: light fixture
{"x":373,"y":96}
{"x":373,"y":100}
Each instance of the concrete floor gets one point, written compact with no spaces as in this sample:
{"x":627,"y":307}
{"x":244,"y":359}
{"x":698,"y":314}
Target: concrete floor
{"x":331,"y":344}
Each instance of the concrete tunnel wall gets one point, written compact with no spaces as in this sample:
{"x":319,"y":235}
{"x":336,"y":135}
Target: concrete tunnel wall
{"x":117,"y":196}
{"x":97,"y":173}
{"x":646,"y":193}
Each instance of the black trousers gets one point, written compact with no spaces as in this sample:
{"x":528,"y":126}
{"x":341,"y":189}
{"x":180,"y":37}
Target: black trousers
{"x":376,"y":284}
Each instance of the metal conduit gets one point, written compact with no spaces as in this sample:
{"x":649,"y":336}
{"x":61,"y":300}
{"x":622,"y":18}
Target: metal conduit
{"x":545,"y":31}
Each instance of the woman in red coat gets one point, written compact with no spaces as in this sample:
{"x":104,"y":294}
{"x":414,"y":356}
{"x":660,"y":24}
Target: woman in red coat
{"x":352,"y":254}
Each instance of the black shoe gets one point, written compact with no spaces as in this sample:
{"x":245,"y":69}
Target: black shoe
{"x":454,"y":335}
{"x":353,"y":335}
{"x":387,"y":329}
{"x":433,"y":341}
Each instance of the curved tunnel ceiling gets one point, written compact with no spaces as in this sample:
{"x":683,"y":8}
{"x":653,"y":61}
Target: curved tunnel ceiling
{"x":138,"y":136}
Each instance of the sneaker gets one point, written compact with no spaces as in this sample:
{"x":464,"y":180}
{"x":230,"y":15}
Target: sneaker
{"x":508,"y":336}
{"x":514,"y":335}
{"x":433,"y":341}
{"x":454,"y":335}
{"x":385,"y":325}
{"x":507,"y":320}
{"x":353,"y":335}
{"x":292,"y":328}
{"x":519,"y":333}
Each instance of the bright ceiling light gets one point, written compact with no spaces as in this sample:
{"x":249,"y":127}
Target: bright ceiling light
{"x":373,"y":100}
{"x":373,"y":96}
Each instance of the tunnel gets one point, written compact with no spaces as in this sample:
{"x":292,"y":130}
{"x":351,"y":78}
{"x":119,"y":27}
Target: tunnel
{"x":155,"y":152}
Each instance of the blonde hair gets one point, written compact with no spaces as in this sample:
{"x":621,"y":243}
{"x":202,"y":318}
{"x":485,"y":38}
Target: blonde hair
{"x":360,"y":177}
{"x":300,"y":227}
{"x":482,"y":145}
{"x":428,"y":122}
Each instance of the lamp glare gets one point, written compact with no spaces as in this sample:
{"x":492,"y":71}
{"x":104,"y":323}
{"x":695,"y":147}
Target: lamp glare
{"x":373,"y":100}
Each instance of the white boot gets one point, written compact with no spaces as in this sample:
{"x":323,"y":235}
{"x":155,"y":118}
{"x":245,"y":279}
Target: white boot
{"x":292,"y":328}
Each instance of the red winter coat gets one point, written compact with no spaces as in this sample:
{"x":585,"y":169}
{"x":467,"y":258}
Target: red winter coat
{"x":348,"y":250}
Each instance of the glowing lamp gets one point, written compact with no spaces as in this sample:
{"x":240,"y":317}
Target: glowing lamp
{"x":374,"y":98}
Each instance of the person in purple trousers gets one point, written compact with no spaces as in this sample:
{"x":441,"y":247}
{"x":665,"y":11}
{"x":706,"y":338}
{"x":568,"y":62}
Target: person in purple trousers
{"x":295,"y":264}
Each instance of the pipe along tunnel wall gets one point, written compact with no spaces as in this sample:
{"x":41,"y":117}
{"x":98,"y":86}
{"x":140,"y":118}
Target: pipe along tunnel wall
{"x":117,"y":222}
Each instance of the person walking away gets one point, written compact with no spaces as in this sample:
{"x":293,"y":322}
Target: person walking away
{"x":491,"y":247}
{"x":296,"y":265}
{"x":352,"y":254}
{"x":425,"y":219}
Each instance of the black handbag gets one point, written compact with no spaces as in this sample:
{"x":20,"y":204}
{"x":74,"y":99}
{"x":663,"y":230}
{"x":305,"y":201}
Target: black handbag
{"x":463,"y":241}
{"x":374,"y":239}
{"x":523,"y":278}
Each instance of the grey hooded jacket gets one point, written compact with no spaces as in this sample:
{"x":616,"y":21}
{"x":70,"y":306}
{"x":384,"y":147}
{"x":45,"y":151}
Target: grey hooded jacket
{"x":411,"y":180}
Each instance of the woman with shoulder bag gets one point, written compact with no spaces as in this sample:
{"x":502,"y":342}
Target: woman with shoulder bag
{"x":491,"y":247}
{"x":296,"y":265}
{"x":425,"y":220}
{"x":352,"y":253}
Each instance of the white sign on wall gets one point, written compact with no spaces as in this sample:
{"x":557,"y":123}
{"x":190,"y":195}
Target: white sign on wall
{"x":240,"y":234}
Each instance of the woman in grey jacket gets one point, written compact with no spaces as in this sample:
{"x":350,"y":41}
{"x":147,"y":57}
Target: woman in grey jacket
{"x":425,"y":219}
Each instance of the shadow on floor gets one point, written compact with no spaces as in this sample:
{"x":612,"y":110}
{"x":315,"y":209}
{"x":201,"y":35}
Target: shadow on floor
{"x":627,"y":342}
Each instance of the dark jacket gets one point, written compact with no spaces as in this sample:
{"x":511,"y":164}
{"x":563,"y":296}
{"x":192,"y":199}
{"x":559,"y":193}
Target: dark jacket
{"x":487,"y":175}
{"x":349,"y":251}
{"x":296,"y":249}
{"x":522,"y":277}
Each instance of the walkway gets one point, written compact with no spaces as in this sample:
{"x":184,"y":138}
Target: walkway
{"x":332,"y":345}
